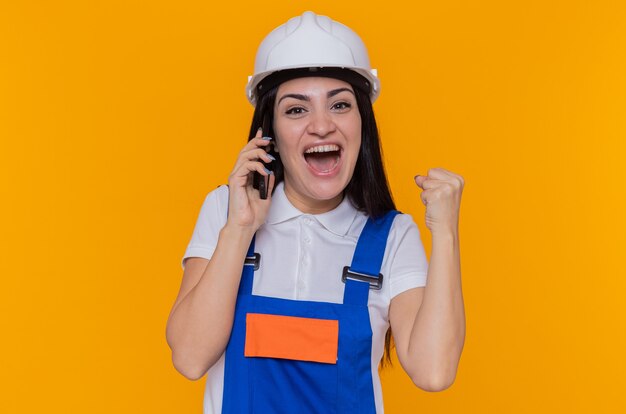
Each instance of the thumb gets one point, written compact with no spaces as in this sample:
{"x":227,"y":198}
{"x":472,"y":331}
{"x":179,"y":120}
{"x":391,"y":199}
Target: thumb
{"x":419,"y":180}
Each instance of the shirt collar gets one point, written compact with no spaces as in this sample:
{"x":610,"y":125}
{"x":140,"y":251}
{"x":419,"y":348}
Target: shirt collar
{"x":337,"y":221}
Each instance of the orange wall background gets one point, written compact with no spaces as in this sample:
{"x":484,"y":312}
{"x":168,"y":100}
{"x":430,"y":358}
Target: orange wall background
{"x":118,"y":117}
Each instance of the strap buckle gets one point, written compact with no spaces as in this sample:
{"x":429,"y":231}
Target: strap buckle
{"x":254,"y":260}
{"x":375,"y":282}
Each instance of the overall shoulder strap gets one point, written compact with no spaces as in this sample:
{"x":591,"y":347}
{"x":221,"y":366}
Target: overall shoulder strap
{"x":364,"y":272}
{"x":247,"y":274}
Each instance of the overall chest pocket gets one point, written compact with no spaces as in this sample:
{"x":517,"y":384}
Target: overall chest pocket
{"x":293,"y":363}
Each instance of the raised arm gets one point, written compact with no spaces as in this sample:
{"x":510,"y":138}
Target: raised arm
{"x":201,"y":318}
{"x":428,"y":323}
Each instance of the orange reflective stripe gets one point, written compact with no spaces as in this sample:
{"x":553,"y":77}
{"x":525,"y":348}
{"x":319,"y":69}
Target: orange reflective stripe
{"x":290,"y":337}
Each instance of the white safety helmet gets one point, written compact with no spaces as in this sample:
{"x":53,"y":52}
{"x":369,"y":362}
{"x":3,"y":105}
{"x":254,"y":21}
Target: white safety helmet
{"x":316,"y":42}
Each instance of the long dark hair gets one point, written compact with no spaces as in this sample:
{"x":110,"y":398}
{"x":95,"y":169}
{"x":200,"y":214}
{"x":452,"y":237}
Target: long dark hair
{"x":368,"y":188}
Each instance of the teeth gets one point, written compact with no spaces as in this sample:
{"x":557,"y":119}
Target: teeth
{"x":322,"y":148}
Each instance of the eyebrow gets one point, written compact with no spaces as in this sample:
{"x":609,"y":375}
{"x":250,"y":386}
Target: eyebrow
{"x":334,"y":92}
{"x":306,"y":98}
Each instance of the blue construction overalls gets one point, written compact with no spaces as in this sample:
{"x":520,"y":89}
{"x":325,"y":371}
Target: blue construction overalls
{"x":267,"y":381}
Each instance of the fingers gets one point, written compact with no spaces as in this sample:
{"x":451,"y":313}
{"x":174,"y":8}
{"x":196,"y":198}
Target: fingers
{"x":258,"y":141}
{"x":252,"y":155}
{"x":257,"y":153}
{"x":425,"y":182}
{"x":438,"y":182}
{"x":442,"y":174}
{"x":419,"y":180}
{"x":438,"y":175}
{"x":247,"y":167}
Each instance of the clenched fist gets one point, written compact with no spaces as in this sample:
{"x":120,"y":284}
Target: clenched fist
{"x":441,"y":194}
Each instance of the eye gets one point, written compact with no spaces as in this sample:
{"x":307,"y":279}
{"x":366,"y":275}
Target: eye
{"x":342,"y":105}
{"x":296,"y":110}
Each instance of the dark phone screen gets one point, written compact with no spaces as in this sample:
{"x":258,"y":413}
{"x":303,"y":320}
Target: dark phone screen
{"x":260,"y":182}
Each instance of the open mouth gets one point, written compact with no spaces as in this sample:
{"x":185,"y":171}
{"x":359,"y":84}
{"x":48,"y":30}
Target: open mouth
{"x":323,"y":158}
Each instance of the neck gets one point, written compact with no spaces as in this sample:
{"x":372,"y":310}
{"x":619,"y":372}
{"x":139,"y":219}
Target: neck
{"x":310,"y":205}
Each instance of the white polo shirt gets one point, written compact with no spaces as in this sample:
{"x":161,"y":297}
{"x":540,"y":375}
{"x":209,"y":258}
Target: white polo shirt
{"x":302,"y":258}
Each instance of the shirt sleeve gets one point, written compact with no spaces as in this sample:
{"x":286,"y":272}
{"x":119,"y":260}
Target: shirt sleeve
{"x":409,"y":266}
{"x":210,"y":221}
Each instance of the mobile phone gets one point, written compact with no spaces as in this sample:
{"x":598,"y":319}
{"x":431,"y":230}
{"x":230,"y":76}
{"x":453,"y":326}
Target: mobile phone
{"x":259,"y":181}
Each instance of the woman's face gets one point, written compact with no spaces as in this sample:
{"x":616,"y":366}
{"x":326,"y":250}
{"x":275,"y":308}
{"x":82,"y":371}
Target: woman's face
{"x":318,"y":136}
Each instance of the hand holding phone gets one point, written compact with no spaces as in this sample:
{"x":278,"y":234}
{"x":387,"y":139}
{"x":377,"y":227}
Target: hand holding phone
{"x":245,"y":206}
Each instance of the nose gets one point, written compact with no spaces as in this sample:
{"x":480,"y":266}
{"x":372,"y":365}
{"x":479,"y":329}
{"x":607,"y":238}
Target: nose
{"x":321,"y":124}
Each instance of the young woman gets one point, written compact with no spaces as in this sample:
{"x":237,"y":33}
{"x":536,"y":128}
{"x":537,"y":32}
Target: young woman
{"x":329,"y":265}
